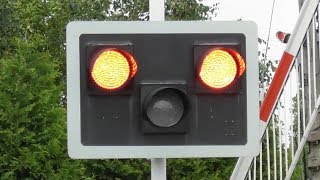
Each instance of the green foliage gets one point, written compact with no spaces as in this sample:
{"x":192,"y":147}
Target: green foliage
{"x":214,"y":168}
{"x":118,"y":169}
{"x":189,"y":10}
{"x":300,"y":171}
{"x":266,"y":66}
{"x":32,"y":120}
{"x":32,"y":91}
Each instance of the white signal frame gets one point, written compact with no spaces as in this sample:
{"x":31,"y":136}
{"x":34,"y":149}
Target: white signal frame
{"x":79,"y":151}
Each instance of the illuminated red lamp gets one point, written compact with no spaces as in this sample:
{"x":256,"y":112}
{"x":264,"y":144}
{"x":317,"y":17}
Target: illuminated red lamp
{"x":112,"y":69}
{"x":283,"y":37}
{"x":221,"y":67}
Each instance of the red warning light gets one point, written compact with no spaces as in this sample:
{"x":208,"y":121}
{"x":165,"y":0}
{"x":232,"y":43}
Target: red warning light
{"x":239,"y":59}
{"x":280,"y":35}
{"x":220,"y":67}
{"x":113,"y":68}
{"x":283,"y":37}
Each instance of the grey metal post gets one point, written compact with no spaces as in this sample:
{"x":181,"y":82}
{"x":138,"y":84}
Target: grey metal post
{"x":156,"y":10}
{"x":158,"y":169}
{"x":158,"y":165}
{"x":313,"y":162}
{"x":311,"y":81}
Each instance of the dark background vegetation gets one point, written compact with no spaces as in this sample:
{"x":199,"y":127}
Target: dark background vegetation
{"x":33,"y":85}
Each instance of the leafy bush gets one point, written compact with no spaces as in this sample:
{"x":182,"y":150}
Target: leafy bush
{"x":32,"y":91}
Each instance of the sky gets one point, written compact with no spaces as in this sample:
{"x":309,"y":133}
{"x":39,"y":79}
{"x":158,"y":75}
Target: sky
{"x":284,"y":18}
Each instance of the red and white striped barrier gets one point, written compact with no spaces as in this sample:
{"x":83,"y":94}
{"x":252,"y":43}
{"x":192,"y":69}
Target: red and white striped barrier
{"x":281,"y":75}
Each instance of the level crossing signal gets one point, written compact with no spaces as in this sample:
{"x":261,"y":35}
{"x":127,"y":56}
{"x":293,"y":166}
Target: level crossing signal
{"x":162,"y":89}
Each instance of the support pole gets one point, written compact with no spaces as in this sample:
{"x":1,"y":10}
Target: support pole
{"x":158,"y":169}
{"x":156,"y":10}
{"x":158,"y":165}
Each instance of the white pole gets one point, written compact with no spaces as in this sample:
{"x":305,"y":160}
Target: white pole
{"x":158,"y":169}
{"x":158,"y":165}
{"x":156,"y":10}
